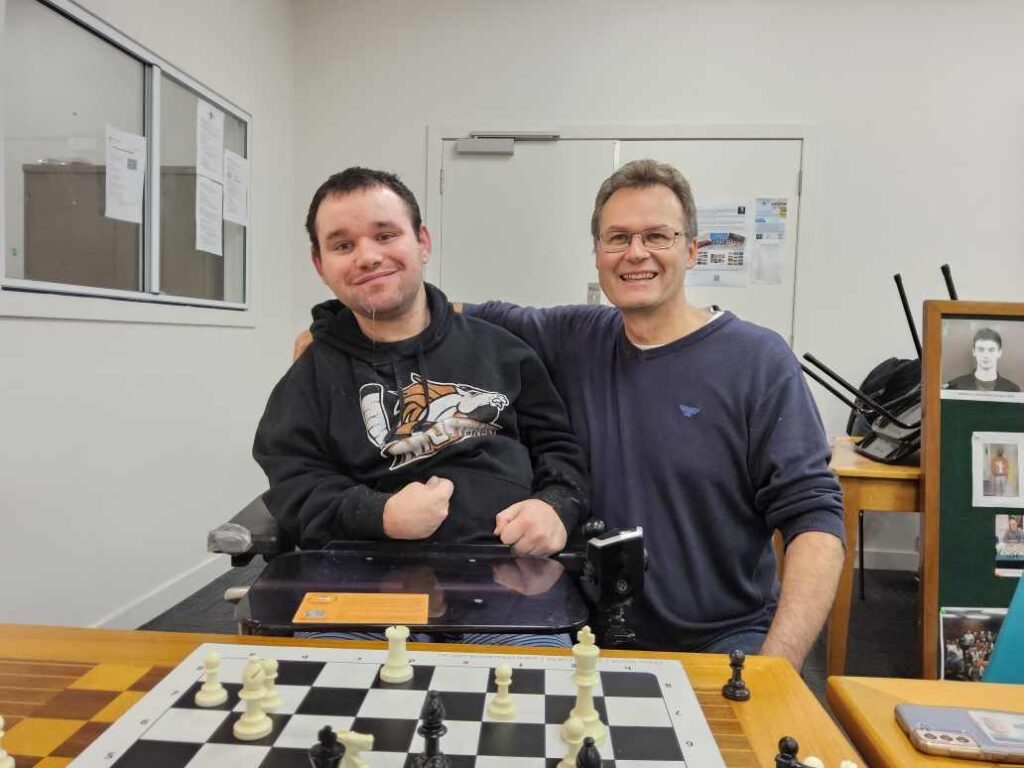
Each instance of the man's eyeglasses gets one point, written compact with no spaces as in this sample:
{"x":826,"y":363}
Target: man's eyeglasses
{"x":656,"y":239}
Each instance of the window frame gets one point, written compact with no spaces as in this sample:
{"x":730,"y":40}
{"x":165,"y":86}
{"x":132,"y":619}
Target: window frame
{"x":22,"y":297}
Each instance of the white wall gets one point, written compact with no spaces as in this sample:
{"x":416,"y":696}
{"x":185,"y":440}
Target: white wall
{"x":918,"y":104}
{"x":121,"y":444}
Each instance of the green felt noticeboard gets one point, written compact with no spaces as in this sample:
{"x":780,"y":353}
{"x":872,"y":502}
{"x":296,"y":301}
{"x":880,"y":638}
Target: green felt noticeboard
{"x":962,"y":429}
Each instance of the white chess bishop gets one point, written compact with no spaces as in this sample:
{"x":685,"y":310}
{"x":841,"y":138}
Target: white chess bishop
{"x":254,"y":723}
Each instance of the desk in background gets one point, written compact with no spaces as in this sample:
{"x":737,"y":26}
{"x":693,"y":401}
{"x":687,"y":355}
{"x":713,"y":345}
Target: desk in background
{"x":866,"y":708}
{"x":39,"y":665}
{"x":869,"y":485}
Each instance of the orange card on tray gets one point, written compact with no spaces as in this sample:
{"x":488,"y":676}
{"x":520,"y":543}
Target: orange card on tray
{"x":362,"y":608}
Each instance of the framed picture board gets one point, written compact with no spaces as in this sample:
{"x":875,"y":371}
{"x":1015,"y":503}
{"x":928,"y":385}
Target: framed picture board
{"x":972,"y":553}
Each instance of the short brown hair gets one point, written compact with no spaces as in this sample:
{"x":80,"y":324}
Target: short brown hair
{"x":355,"y":179}
{"x":647,"y":173}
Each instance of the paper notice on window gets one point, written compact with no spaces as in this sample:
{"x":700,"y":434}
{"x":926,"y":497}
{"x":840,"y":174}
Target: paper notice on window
{"x":126,"y":175}
{"x":209,"y":141}
{"x":209,"y":212}
{"x":723,"y":243}
{"x":236,"y":188}
{"x":769,"y":238}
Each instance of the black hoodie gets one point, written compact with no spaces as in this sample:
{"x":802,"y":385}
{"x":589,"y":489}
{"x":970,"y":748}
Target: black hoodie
{"x":353,"y":421}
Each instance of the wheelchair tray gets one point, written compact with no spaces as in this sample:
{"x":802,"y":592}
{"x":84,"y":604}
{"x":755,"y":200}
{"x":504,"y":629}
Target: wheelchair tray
{"x":470,"y":588}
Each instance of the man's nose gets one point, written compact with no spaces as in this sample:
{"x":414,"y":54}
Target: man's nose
{"x":636,"y":248}
{"x":367,"y":254}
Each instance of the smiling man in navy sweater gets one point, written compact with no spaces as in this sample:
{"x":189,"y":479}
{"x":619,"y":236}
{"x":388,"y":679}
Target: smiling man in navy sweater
{"x":698,"y":426}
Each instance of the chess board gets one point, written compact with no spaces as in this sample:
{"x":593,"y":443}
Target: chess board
{"x":651,"y":710}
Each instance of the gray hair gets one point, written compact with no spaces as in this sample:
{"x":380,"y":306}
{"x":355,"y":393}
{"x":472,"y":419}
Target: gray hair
{"x":648,"y":173}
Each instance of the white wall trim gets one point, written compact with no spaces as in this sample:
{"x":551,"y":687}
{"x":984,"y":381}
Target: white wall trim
{"x":166,"y":595}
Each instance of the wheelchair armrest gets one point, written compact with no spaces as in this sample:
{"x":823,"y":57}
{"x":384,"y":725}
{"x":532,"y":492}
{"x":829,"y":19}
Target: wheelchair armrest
{"x":252,"y":531}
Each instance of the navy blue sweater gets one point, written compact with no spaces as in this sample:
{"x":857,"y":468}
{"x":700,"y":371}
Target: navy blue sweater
{"x":710,"y":442}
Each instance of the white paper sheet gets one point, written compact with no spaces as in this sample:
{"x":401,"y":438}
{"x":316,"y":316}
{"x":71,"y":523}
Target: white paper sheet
{"x":769,"y":238}
{"x":209,"y":207}
{"x":209,"y":141}
{"x":723,"y":242}
{"x":126,"y":175}
{"x":236,"y":188}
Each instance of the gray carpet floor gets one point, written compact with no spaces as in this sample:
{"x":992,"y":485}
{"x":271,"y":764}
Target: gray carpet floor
{"x":882,"y":643}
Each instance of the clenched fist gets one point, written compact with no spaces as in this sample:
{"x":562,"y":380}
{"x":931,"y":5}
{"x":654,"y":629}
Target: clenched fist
{"x":417,"y":510}
{"x":531,"y":527}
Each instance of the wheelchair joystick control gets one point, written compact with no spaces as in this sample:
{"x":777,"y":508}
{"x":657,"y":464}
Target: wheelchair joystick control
{"x":612,"y":574}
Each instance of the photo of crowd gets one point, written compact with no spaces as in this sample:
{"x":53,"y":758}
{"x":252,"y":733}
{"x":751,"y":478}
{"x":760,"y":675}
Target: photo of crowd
{"x":968,"y":635}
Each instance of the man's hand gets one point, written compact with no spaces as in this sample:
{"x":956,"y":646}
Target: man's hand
{"x":417,"y":510}
{"x":531,"y":527}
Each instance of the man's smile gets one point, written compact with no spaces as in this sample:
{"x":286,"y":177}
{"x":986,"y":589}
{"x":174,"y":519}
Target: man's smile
{"x":635,"y":276}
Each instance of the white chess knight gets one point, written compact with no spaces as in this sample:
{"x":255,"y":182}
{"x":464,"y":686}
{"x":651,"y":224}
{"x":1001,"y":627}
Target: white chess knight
{"x":585,"y":654}
{"x":254,"y":723}
{"x":355,"y":744}
{"x":502,"y":707}
{"x":271,"y":696}
{"x":397,"y":668}
{"x":212,"y":693}
{"x":6,"y":761}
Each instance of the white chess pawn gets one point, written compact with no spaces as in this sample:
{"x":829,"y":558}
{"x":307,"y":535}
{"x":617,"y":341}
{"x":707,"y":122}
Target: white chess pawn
{"x":502,"y":707}
{"x":812,"y":761}
{"x":355,"y":745}
{"x":572,"y":734}
{"x":254,"y":723}
{"x":397,"y":668}
{"x":847,"y":764}
{"x":212,"y":694}
{"x":585,"y":654}
{"x":271,"y":697}
{"x":6,"y":761}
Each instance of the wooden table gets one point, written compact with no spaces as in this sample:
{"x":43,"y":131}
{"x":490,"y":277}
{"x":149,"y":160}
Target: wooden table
{"x":866,"y":708}
{"x":869,"y":485}
{"x":39,"y":664}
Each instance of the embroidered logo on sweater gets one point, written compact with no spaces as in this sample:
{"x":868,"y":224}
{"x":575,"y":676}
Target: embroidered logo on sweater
{"x":427,"y":419}
{"x":689,"y":411}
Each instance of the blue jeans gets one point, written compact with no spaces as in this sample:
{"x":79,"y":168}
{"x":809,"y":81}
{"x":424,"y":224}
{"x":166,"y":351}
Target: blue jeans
{"x":748,"y":640}
{"x":473,"y":638}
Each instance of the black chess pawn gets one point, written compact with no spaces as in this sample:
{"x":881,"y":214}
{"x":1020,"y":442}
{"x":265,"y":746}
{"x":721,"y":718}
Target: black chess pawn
{"x":326,"y":753}
{"x":432,"y":729}
{"x":736,"y":689}
{"x":788,"y":749}
{"x":588,"y":756}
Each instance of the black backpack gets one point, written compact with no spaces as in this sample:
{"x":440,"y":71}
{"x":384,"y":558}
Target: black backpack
{"x":895,"y":384}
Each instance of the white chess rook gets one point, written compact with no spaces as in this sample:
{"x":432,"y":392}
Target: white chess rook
{"x":396,"y":667}
{"x":254,"y":723}
{"x":355,"y":745}
{"x":6,"y":761}
{"x":271,"y":697}
{"x":502,"y":707}
{"x":212,"y":693}
{"x":585,"y":654}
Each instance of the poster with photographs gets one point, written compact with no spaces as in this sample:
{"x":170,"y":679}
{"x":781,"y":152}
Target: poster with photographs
{"x":995,"y":469}
{"x":967,"y":638}
{"x":1009,"y":546}
{"x":982,"y":359}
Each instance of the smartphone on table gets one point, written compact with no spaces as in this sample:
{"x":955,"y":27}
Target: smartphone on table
{"x":971,"y":734}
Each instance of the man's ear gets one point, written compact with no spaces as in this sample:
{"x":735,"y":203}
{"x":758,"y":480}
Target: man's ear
{"x":314,"y":254}
{"x":691,"y":253}
{"x":425,"y":243}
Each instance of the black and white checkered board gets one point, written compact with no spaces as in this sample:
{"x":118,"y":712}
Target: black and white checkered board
{"x":649,"y":706}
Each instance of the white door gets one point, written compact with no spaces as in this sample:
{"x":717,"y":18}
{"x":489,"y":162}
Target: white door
{"x":517,"y":227}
